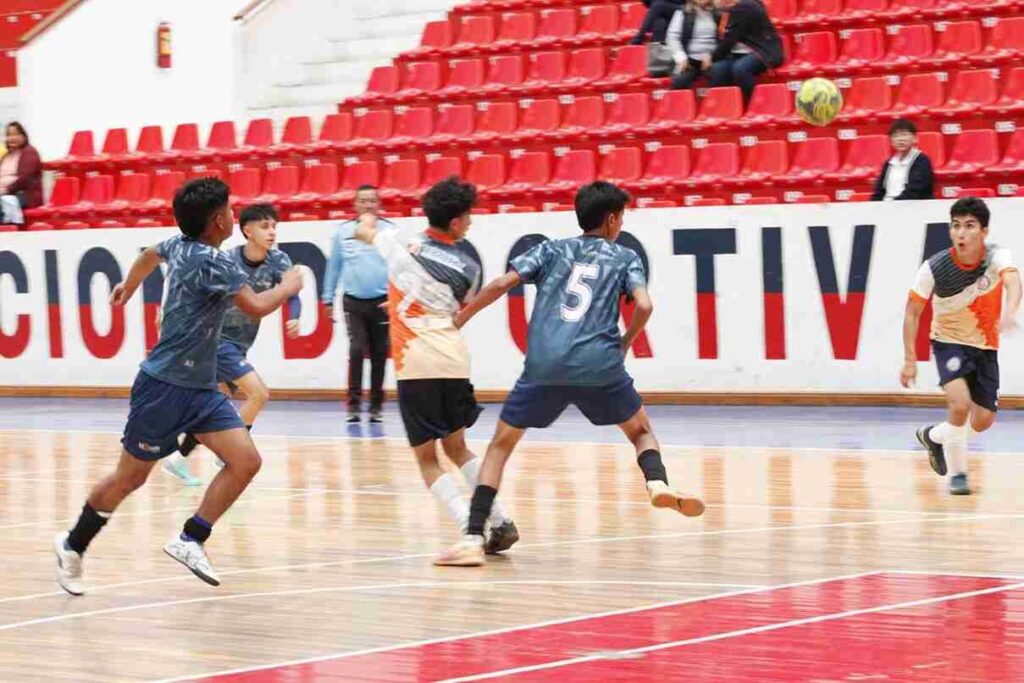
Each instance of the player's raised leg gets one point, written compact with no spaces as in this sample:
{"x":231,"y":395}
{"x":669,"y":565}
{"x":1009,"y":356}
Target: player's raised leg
{"x":648,"y":456}
{"x":70,"y":546}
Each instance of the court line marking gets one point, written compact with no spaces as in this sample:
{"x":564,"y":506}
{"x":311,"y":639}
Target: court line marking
{"x":523,"y":627}
{"x":966,"y":575}
{"x":362,"y":588}
{"x":738,"y":633}
{"x":532,"y":546}
{"x":329,"y":439}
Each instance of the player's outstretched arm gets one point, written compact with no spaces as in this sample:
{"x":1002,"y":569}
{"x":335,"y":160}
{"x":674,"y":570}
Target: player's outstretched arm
{"x":263,"y":304}
{"x":494,"y":290}
{"x":911,"y":321}
{"x":366,"y":228}
{"x":641,"y":314}
{"x":1012,"y":285}
{"x":145,"y":264}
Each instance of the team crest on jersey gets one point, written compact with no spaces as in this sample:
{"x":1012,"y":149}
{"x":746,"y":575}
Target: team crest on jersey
{"x":953,"y":364}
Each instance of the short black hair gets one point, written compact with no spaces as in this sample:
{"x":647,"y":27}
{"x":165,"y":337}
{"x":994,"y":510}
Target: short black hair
{"x":366,"y":188}
{"x":197,"y":201}
{"x":449,"y":199}
{"x":971,"y":206}
{"x":256,"y":212}
{"x":902,"y":126}
{"x":598,"y":200}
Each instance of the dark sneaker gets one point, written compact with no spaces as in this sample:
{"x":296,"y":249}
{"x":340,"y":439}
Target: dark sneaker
{"x":376,"y":417}
{"x":936,"y":454}
{"x":352,"y":418}
{"x":501,"y":538}
{"x":958,"y":485}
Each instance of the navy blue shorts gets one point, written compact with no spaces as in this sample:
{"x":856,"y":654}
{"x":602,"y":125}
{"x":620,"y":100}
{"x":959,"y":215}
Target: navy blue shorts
{"x":979,"y":367}
{"x":538,"y":405}
{"x":160,"y":412}
{"x":231,"y":362}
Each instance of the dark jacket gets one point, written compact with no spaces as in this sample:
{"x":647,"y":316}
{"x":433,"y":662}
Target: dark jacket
{"x":29,"y":185}
{"x":689,"y":19}
{"x":748,"y":23}
{"x":920,"y":180}
{"x":659,"y":14}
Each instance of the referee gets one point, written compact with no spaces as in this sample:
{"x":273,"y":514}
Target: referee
{"x":364,"y":279}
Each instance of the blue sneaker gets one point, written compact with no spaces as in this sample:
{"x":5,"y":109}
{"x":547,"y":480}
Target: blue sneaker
{"x":936,"y":453}
{"x":958,"y":485}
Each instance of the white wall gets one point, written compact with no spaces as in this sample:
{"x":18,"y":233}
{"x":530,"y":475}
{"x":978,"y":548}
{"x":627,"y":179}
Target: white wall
{"x":96,"y":69}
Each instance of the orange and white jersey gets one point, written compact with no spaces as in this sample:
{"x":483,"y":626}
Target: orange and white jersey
{"x":428,"y":282}
{"x":967,"y":301}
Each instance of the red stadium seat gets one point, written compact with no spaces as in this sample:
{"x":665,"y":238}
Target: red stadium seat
{"x":185,"y":142}
{"x":755,"y":201}
{"x":496,"y":121}
{"x":1006,"y":42}
{"x":918,"y":94}
{"x":437,"y":36}
{"x":464,"y":77}
{"x":583,"y":115}
{"x":971,"y":90}
{"x":812,"y":199}
{"x":440,"y":168}
{"x":412,"y":126}
{"x":400,"y":178}
{"x":384,"y":81}
{"x":863,"y":161}
{"x":866,"y":98}
{"x":715,"y":163}
{"x":770,"y":105}
{"x":973,"y":152}
{"x":622,"y":164}
{"x":814,"y":157}
{"x":865,"y":10}
{"x":763,"y":162}
{"x":1011,"y":100}
{"x":82,"y":151}
{"x":66,"y":192}
{"x":529,"y":171}
{"x":630,"y":65}
{"x":97,"y":193}
{"x":476,"y":30}
{"x":318,"y":182}
{"x":957,"y":42}
{"x":1013,"y":158}
{"x":259,"y":136}
{"x":355,"y":176}
{"x":298,"y":133}
{"x":221,"y":140}
{"x":373,"y":126}
{"x":628,"y":113}
{"x":667,"y":166}
{"x":454,"y":122}
{"x":544,"y":70}
{"x":597,"y":21}
{"x":557,"y":27}
{"x":909,"y":44}
{"x":115,"y":144}
{"x":632,"y":17}
{"x":421,"y":79}
{"x":585,"y":67}
{"x":934,"y":145}
{"x":720,"y":105}
{"x":984,"y":192}
{"x":673,"y":110}
{"x":816,"y":11}
{"x":707,"y":201}
{"x":336,"y":130}
{"x":574,"y":168}
{"x":539,"y":117}
{"x":487,"y":171}
{"x":516,"y":27}
{"x":279,"y":183}
{"x":782,"y":10}
{"x":164,"y":187}
{"x":245,"y":185}
{"x":813,"y":51}
{"x":861,"y":49}
{"x":132,"y":191}
{"x":504,"y":74}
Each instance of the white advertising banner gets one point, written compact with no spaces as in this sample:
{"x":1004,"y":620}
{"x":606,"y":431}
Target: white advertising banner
{"x":747,"y":299}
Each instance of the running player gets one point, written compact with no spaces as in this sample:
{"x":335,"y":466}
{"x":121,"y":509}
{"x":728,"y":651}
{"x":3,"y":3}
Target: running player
{"x":428,"y":281}
{"x":264,"y":267}
{"x":575,"y":353}
{"x":965,"y":285}
{"x":175,"y":391}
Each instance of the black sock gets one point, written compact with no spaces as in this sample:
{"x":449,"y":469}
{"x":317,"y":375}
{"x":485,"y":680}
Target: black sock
{"x":650,"y":463}
{"x":248,"y":428}
{"x":88,"y":525}
{"x":480,"y":509}
{"x":197,"y":529}
{"x":188,"y":444}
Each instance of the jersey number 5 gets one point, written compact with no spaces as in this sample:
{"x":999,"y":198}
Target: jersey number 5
{"x":581,"y":290}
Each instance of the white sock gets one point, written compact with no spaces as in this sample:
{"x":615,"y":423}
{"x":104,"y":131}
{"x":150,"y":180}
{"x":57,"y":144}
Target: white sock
{"x":177,"y":460}
{"x":447,"y":492}
{"x":955,"y":447}
{"x":939,"y":431}
{"x":471,"y":471}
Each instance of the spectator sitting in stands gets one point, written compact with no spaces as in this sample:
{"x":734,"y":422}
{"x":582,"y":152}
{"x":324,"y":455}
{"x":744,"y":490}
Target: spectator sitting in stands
{"x":659,"y":14}
{"x":692,"y":37}
{"x":21,"y":176}
{"x":908,"y":174}
{"x":748,"y":46}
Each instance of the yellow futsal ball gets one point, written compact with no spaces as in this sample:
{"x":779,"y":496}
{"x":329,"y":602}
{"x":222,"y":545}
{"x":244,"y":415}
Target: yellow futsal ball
{"x":818,"y":101}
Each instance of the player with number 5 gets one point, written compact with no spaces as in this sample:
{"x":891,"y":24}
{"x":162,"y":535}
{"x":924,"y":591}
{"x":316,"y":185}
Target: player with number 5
{"x":575,"y":353}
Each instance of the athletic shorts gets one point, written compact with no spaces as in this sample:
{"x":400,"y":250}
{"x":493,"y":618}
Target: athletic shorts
{"x":980,"y":367}
{"x":231,"y":362}
{"x":159,"y":412}
{"x":434,"y":408}
{"x":538,"y":405}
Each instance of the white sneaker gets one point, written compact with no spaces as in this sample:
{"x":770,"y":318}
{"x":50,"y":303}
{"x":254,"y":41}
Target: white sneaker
{"x":664,"y":497}
{"x":69,"y":566}
{"x":193,"y":556}
{"x":176,"y":465}
{"x":469,"y":552}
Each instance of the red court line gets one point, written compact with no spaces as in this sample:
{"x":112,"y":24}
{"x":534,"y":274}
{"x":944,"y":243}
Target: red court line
{"x":475,"y":655}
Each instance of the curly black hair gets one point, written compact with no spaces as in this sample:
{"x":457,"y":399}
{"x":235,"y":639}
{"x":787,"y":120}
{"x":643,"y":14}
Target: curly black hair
{"x":449,"y":199}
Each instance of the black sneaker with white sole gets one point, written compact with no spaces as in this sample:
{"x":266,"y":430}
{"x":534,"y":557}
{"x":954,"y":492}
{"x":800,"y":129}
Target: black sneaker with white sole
{"x":501,"y":538}
{"x":936,"y":453}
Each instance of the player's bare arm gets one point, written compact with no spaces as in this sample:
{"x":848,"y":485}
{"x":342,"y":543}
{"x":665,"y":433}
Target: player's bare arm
{"x":641,"y":314}
{"x":911,"y":321}
{"x":1012,"y":285}
{"x":494,"y":290}
{"x":145,"y":264}
{"x":263,"y":304}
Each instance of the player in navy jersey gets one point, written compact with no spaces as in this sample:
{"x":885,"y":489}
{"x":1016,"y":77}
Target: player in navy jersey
{"x":575,"y":353}
{"x":264,"y":267}
{"x":175,"y":391}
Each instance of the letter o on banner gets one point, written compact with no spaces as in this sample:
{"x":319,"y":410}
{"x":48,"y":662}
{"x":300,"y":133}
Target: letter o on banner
{"x":13,"y":345}
{"x":99,"y":260}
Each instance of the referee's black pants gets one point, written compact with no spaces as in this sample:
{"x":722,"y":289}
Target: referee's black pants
{"x":367,"y":325}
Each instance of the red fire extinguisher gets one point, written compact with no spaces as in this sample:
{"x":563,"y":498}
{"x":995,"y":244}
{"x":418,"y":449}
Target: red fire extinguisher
{"x":163,"y":45}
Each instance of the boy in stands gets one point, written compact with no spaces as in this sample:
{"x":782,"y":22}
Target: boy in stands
{"x":175,"y":391}
{"x":264,"y":267}
{"x":428,"y":283}
{"x":966,"y":286}
{"x":575,"y":353}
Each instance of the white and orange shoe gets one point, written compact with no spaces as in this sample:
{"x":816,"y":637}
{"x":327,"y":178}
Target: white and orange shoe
{"x":469,"y":552}
{"x":664,"y":497}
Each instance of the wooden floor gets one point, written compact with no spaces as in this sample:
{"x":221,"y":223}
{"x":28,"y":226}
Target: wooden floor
{"x":327,"y":558}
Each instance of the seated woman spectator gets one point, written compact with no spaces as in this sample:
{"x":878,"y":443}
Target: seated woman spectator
{"x":659,"y":14}
{"x":908,"y":174}
{"x":21,"y":176}
{"x":748,"y":46}
{"x":692,"y":37}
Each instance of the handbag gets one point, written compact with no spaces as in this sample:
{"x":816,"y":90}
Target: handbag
{"x":659,"y":60}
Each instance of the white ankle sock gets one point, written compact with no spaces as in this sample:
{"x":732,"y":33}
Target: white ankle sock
{"x":955,"y":446}
{"x":939,"y":432}
{"x":471,"y":471}
{"x":447,"y":492}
